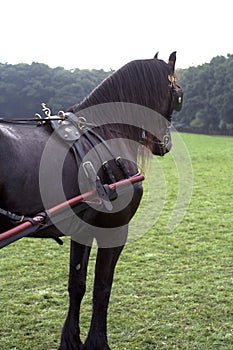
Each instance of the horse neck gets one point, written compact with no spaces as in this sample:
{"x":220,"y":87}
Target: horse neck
{"x":122,"y":139}
{"x":117,"y":122}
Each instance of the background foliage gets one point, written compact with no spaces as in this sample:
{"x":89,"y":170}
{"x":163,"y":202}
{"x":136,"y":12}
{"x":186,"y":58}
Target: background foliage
{"x":24,"y":87}
{"x":208,"y":99}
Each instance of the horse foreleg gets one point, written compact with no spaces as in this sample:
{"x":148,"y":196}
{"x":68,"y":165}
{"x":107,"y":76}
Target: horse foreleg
{"x":104,"y":271}
{"x":79,"y":255}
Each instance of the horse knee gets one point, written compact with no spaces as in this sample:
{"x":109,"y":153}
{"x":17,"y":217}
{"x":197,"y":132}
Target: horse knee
{"x":78,"y":289}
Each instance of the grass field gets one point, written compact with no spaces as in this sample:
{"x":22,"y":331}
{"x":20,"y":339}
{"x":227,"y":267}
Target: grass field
{"x":172,"y":290}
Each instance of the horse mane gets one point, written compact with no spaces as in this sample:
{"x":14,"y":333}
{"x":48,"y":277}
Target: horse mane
{"x":141,"y":82}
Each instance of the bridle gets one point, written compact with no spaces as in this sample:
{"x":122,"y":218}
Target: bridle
{"x":175,"y":105}
{"x":176,"y":95}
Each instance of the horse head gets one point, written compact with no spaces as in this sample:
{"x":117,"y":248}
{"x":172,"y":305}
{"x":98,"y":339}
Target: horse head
{"x":161,"y":143}
{"x":150,"y":83}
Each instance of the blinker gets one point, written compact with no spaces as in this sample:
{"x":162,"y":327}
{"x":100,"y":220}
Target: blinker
{"x":177,"y":93}
{"x":177,"y":97}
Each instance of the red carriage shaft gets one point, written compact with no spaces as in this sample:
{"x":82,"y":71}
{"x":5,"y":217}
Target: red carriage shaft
{"x":38,"y":219}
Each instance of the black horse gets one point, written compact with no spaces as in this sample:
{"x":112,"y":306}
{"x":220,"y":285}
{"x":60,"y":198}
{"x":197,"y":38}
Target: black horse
{"x":130,"y":109}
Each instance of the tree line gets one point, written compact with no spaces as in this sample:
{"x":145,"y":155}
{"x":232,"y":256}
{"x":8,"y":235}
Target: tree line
{"x":24,"y":87}
{"x":208,"y":97}
{"x":208,"y":92}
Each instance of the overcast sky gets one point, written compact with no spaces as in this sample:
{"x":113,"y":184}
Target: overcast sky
{"x":107,"y":34}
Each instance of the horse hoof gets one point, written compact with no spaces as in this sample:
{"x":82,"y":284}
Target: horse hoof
{"x":88,"y":346}
{"x":68,"y":347}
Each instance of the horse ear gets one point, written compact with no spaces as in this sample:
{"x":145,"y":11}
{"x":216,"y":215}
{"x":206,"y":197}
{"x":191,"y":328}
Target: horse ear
{"x":172,"y":61}
{"x":156,"y":55}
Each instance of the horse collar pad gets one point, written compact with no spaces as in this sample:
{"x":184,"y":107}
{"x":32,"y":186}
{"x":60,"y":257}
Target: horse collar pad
{"x":70,"y":129}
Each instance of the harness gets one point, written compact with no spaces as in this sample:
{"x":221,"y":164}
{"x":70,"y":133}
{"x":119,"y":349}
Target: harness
{"x":69,"y":127}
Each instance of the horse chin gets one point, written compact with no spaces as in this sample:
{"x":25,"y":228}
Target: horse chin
{"x":162,"y":153}
{"x":161,"y":150}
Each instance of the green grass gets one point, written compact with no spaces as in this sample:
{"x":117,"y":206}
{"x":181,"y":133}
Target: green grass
{"x":172,"y":289}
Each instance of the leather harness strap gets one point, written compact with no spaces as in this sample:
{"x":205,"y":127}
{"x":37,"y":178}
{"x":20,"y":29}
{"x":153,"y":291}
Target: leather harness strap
{"x":69,"y":127}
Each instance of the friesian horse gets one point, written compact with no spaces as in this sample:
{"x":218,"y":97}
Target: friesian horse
{"x":39,"y":169}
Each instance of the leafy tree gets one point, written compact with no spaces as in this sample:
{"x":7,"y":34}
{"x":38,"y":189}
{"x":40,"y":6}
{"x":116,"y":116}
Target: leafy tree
{"x":24,"y":87}
{"x":208,"y":97}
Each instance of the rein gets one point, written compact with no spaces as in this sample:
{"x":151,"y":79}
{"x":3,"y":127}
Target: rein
{"x":37,"y":118}
{"x":26,"y":121}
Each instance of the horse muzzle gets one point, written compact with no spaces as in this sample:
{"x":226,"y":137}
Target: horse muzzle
{"x":161,"y":147}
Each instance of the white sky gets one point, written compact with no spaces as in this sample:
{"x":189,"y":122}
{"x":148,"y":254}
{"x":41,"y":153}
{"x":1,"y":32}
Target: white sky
{"x":107,"y":34}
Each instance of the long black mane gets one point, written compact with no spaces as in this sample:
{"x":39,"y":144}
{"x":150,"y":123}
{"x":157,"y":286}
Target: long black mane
{"x":141,"y":82}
